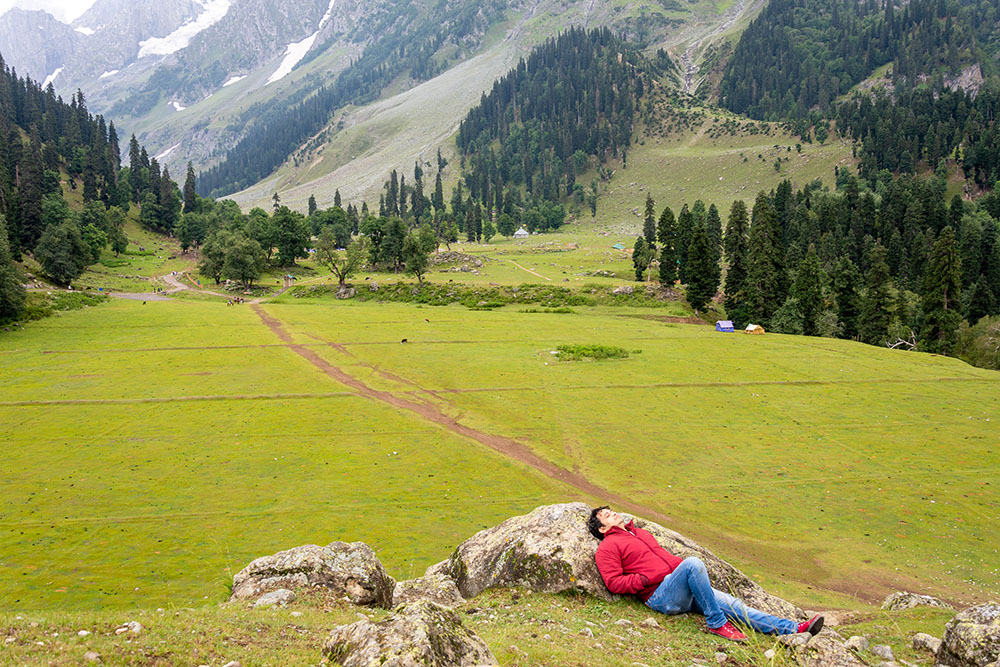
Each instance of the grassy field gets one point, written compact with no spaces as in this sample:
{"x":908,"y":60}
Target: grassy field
{"x":155,"y":449}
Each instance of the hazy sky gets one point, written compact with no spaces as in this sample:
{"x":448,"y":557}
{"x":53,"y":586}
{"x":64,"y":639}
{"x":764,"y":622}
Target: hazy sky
{"x":64,"y":10}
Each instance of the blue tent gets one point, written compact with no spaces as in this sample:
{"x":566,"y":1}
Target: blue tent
{"x":618,"y":246}
{"x":724,"y":325}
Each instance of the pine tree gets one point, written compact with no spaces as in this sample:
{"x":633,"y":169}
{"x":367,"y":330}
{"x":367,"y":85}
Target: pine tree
{"x":767,"y":283}
{"x":190,"y":195}
{"x":685,"y":227}
{"x":737,"y":228}
{"x":808,"y":291}
{"x":982,"y":303}
{"x":649,"y":224}
{"x":846,"y":279}
{"x":640,"y":258}
{"x":337,"y":201}
{"x":12,"y":293}
{"x":713,"y":226}
{"x":666,"y":231}
{"x":438,"y":197}
{"x":876,"y":304}
{"x":311,"y":206}
{"x":702,"y":270}
{"x":942,"y":292}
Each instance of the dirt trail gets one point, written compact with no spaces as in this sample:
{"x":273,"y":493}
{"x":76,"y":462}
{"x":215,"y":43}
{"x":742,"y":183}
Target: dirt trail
{"x":506,"y":446}
{"x":529,"y":270}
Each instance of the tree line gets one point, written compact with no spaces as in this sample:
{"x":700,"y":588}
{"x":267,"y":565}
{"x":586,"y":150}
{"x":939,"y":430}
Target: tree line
{"x":886,"y":262}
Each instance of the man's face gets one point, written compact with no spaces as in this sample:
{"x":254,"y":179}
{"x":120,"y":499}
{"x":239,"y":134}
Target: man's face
{"x":609,"y":518}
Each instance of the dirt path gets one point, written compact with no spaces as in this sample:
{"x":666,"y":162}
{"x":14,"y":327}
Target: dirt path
{"x":140,"y":296}
{"x":535,"y":273}
{"x":506,"y":446}
{"x":178,"y":286}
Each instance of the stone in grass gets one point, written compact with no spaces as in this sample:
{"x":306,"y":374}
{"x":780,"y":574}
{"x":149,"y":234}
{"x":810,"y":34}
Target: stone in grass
{"x":857,"y":643}
{"x":650,"y":623}
{"x":550,"y":550}
{"x":350,"y":569}
{"x":972,"y":637}
{"x":883,"y":651}
{"x":825,"y":650}
{"x":92,"y":656}
{"x":925,"y":642}
{"x":904,"y":600}
{"x":436,"y":588}
{"x":421,"y":634}
{"x":278,"y":598}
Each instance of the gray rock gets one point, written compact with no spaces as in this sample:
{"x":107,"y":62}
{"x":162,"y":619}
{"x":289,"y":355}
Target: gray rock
{"x":883,"y":651}
{"x":550,"y":550}
{"x":92,"y":656}
{"x":623,"y":289}
{"x":278,"y":598}
{"x":350,"y":569}
{"x":800,"y":639}
{"x":437,"y":588}
{"x":769,"y":654}
{"x":346,"y":293}
{"x":972,"y":637}
{"x":650,"y":623}
{"x":904,"y":600}
{"x":720,"y":657}
{"x":421,"y":634}
{"x":232,"y":663}
{"x":825,"y":650}
{"x":373,"y":286}
{"x":857,"y":643}
{"x":587,"y":632}
{"x":925,"y":642}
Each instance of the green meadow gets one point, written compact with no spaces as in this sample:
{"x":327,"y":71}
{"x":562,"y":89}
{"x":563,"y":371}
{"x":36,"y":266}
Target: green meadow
{"x":153,"y":450}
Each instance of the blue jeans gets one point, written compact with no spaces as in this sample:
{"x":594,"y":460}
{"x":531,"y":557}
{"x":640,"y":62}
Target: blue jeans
{"x":687,"y":589}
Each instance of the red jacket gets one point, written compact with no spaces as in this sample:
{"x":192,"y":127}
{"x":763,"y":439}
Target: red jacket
{"x":632,"y":561}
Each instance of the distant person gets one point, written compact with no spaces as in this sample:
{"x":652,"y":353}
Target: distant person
{"x":632,"y":562}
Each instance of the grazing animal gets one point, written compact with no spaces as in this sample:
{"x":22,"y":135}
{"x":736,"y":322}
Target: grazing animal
{"x":403,"y":341}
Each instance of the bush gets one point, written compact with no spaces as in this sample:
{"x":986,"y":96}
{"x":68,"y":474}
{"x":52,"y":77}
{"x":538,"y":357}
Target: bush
{"x":979,"y":345}
{"x":597,"y":352}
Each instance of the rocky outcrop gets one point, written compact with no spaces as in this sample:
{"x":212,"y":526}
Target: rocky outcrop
{"x":825,"y":650}
{"x":550,"y":550}
{"x":421,"y":634}
{"x":436,"y":588}
{"x":972,"y":637}
{"x":350,"y":569}
{"x":904,"y":600}
{"x":969,"y":80}
{"x":278,"y":598}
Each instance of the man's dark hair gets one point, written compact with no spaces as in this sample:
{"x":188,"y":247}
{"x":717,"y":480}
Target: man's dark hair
{"x":594,"y":524}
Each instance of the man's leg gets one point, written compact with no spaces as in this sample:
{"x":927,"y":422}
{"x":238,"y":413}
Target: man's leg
{"x":735,"y":610}
{"x":685,"y":588}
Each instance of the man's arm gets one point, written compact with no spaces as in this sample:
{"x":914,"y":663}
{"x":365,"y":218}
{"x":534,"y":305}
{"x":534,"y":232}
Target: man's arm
{"x":609,"y":564}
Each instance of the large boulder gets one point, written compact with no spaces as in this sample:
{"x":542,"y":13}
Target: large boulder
{"x":421,"y":634}
{"x":903,"y":600}
{"x":550,"y":550}
{"x":972,"y":637}
{"x":436,"y":588}
{"x":350,"y":569}
{"x":825,"y":650}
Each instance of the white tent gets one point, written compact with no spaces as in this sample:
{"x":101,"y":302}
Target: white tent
{"x":522,"y":233}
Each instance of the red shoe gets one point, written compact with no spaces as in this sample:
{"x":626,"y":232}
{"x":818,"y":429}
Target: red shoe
{"x":812,"y":626}
{"x":727,"y":631}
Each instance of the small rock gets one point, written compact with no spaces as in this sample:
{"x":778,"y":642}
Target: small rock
{"x":92,"y":656}
{"x":769,"y":654}
{"x":120,"y":631}
{"x":925,"y":642}
{"x":83,"y":633}
{"x":904,"y":600}
{"x":278,"y":598}
{"x":9,"y":640}
{"x":857,"y":643}
{"x":233,"y":663}
{"x":134,"y":627}
{"x":650,"y":623}
{"x":549,"y":637}
{"x":587,"y":632}
{"x":624,"y":621}
{"x":721,"y":657}
{"x":295,"y":614}
{"x":591,"y":624}
{"x":883,"y":651}
{"x":799,"y":639}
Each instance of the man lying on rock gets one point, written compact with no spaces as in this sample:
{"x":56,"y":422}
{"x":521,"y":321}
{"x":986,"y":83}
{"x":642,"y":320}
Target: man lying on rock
{"x":631,"y":561}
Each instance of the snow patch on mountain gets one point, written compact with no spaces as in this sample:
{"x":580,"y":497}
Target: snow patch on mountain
{"x":233,"y":80}
{"x":298,"y":50}
{"x":52,"y":77}
{"x":293,"y":54}
{"x":108,"y":73}
{"x":85,"y":31}
{"x":159,"y":157}
{"x":177,"y":106}
{"x":214,"y":11}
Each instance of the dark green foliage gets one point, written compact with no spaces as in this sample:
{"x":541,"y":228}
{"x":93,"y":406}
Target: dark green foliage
{"x":666,"y":233}
{"x":62,"y":252}
{"x":649,"y":223}
{"x":808,"y":292}
{"x":243,"y":260}
{"x":942,"y":292}
{"x":417,"y":247}
{"x":12,"y":292}
{"x":736,"y":247}
{"x":982,"y":302}
{"x":685,"y":227}
{"x":641,"y":257}
{"x":876,"y":305}
{"x":596,"y":352}
{"x":980,"y":344}
{"x":846,"y":281}
{"x":291,"y":236}
{"x":190,"y":194}
{"x":767,"y":282}
{"x":702,"y":270}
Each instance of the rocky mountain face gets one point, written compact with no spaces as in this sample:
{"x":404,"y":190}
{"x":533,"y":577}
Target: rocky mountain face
{"x":34,"y":43}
